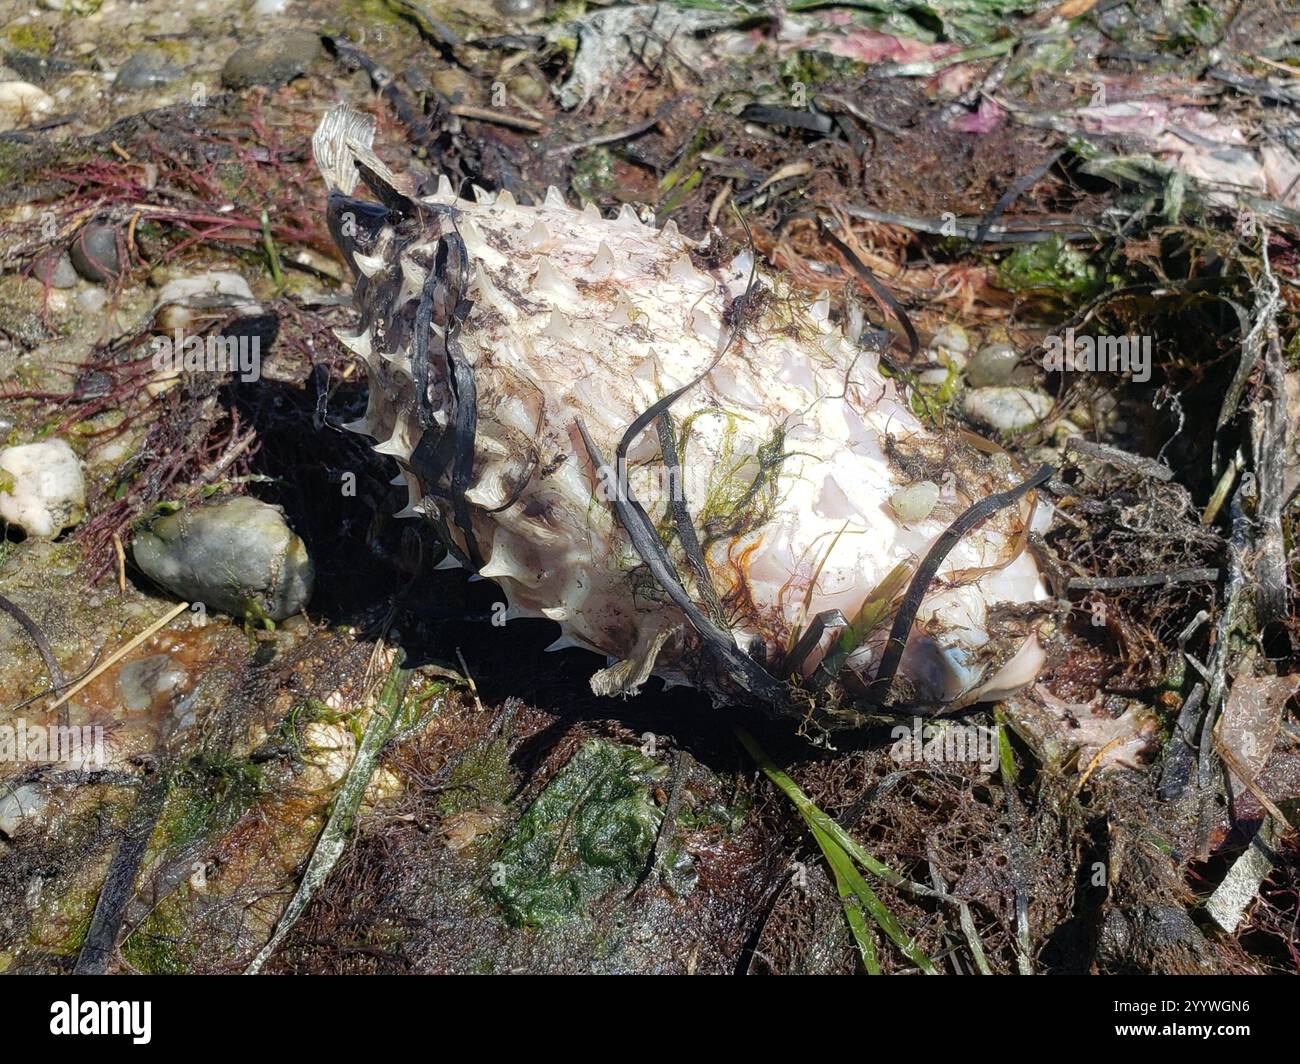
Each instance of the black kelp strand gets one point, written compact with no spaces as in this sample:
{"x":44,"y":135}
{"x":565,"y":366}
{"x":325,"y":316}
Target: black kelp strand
{"x":882,"y":294}
{"x":420,"y":351}
{"x":682,"y":520}
{"x":35,"y":634}
{"x":690,"y":541}
{"x":812,"y":637}
{"x":452,"y":263}
{"x":743,"y":670}
{"x":662,"y":405}
{"x":464,"y":428}
{"x":442,"y":297}
{"x":925,"y":574}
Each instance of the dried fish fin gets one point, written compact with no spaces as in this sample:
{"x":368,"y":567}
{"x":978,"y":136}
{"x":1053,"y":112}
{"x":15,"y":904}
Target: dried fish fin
{"x":341,"y":134}
{"x":626,"y":677}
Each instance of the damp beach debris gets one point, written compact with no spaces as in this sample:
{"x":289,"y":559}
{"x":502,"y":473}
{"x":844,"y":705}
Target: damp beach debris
{"x":252,"y":718}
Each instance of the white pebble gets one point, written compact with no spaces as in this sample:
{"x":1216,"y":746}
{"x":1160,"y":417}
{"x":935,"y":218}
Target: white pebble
{"x":41,"y":488}
{"x":92,"y":300}
{"x":22,"y":104}
{"x":1006,"y":409}
{"x":18,"y":804}
{"x":916,"y":501}
{"x":951,"y":338}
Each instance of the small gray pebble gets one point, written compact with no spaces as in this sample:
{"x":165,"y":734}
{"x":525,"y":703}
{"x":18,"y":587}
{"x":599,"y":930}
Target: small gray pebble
{"x":518,"y":8}
{"x":38,"y":68}
{"x":145,"y":70}
{"x":237,"y":555}
{"x":58,"y":268}
{"x":94,"y":253}
{"x":146,"y":678}
{"x":274,"y":60}
{"x":1006,"y":409}
{"x":993,"y":364}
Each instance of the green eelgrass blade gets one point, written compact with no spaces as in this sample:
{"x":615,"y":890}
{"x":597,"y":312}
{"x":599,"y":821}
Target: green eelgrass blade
{"x":844,"y":872}
{"x":815,"y":816}
{"x":1006,"y":755}
{"x":824,"y":828}
{"x":334,"y":836}
{"x":871,"y":615}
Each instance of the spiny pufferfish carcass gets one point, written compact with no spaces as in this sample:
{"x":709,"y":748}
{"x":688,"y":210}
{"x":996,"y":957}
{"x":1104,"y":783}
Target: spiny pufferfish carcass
{"x":772,"y":473}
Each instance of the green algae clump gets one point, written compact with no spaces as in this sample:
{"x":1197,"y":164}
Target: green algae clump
{"x":589,"y":831}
